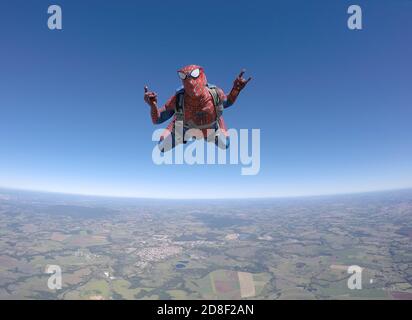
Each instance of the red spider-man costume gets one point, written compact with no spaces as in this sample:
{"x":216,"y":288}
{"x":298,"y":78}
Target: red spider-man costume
{"x":198,"y":105}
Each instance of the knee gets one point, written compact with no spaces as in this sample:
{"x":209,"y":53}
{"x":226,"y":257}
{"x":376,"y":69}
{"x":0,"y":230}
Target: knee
{"x":222,"y":142}
{"x":166,"y":144}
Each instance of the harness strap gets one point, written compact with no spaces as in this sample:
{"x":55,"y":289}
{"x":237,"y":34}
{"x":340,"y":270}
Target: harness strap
{"x":180,"y":101}
{"x":216,"y":101}
{"x":205,"y":126}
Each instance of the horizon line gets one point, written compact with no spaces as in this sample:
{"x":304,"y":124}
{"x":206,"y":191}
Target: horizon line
{"x":206,"y":198}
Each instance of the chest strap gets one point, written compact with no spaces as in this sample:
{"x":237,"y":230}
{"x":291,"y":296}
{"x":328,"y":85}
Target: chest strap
{"x":179,"y":108}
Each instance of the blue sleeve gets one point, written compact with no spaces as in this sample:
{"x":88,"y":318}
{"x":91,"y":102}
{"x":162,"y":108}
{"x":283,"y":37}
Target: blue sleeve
{"x":227,"y":103}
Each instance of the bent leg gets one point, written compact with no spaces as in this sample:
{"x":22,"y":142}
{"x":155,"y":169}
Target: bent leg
{"x":167,"y":143}
{"x":222,"y":141}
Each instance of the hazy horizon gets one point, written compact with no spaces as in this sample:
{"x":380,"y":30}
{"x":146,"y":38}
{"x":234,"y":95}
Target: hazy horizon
{"x":7,"y":189}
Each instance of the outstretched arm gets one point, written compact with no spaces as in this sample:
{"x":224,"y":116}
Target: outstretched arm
{"x":238,"y":85}
{"x":159,"y":115}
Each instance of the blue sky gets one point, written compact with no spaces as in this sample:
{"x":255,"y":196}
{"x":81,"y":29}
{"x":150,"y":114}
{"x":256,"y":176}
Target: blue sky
{"x":334,"y":106}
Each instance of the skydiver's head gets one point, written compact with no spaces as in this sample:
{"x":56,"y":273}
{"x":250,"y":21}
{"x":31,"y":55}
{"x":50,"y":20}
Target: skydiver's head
{"x":194,"y":80}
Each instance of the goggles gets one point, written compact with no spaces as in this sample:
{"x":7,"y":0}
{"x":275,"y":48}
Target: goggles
{"x":193,"y":74}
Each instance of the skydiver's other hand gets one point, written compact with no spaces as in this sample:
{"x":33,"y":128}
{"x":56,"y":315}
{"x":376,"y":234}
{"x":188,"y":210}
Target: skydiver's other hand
{"x":240,"y":83}
{"x":150,"y":97}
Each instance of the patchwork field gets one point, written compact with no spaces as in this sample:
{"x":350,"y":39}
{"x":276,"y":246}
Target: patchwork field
{"x":266,"y":249}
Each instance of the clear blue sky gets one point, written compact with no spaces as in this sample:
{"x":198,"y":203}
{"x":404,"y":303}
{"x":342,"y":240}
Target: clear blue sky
{"x":334,"y":106}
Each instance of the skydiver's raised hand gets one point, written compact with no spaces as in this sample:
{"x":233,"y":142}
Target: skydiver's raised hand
{"x":150,"y":97}
{"x":240,"y":83}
